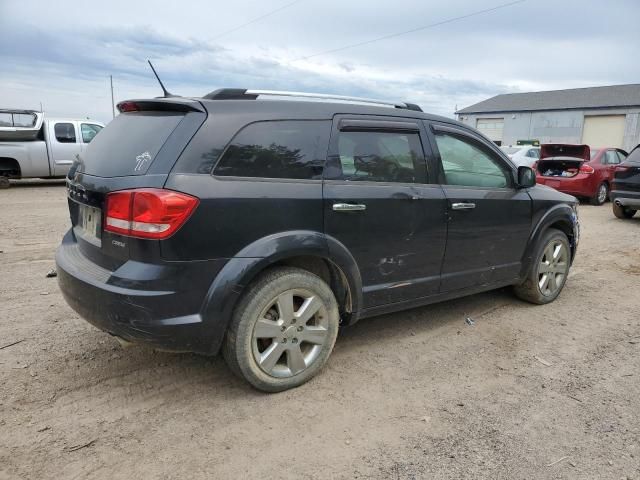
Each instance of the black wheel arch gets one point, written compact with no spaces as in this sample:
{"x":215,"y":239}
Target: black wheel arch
{"x":559,"y":217}
{"x":312,"y":251}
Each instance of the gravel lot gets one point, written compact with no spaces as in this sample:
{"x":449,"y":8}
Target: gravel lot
{"x":527,"y":392}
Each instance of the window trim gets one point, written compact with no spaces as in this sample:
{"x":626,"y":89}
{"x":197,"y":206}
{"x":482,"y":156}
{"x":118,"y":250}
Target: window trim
{"x":391,"y":124}
{"x":492,"y":151}
{"x":361,"y":125}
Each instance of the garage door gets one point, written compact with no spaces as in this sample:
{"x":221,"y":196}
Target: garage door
{"x":492,"y":128}
{"x":603,"y":130}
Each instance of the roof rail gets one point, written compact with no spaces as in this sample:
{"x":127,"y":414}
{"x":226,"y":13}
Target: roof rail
{"x":244,"y":94}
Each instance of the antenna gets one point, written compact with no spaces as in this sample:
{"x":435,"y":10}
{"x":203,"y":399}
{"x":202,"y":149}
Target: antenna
{"x":164,"y":90}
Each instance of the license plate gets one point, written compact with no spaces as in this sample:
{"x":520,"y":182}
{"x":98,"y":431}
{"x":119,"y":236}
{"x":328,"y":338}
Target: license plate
{"x":90,"y":221}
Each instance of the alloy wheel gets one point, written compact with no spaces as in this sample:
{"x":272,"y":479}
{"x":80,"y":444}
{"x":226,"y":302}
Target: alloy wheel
{"x":553,"y":267}
{"x":602,"y":193}
{"x":290,"y":333}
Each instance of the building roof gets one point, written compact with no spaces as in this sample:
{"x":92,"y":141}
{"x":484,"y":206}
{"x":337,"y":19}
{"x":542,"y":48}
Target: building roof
{"x":571,"y":99}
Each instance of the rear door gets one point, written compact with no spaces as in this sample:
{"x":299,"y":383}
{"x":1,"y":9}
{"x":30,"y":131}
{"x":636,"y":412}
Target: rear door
{"x":380,"y":204}
{"x":64,"y":142}
{"x":489,"y":220}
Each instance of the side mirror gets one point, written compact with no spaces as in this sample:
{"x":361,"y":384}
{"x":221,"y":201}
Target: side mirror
{"x":526,"y":177}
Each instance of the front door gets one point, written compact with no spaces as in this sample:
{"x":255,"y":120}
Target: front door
{"x":377,"y":203}
{"x":489,"y":219}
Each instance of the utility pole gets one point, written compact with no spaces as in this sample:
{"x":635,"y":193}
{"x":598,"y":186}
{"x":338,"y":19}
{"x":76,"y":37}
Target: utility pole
{"x":113,"y":106}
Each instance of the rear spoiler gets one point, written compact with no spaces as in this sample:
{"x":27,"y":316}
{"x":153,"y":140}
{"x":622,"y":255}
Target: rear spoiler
{"x":579,"y":152}
{"x":172,"y":104}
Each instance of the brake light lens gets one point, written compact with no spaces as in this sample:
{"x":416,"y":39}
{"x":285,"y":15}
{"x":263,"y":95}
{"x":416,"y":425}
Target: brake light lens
{"x":128,"y":107}
{"x":584,"y":168}
{"x":147,"y":212}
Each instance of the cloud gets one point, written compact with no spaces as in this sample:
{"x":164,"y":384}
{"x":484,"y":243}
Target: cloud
{"x":63,"y":55}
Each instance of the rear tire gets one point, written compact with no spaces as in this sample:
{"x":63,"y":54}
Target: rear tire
{"x":283,"y":330}
{"x":601,"y":196}
{"x":549,"y":270}
{"x":623,"y":212}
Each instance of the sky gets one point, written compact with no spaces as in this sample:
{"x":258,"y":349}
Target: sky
{"x":60,"y":54}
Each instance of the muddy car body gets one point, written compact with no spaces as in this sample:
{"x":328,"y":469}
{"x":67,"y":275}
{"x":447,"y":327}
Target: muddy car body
{"x":260,"y":226}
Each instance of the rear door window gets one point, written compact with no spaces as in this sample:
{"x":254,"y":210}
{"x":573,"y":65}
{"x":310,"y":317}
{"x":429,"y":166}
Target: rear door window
{"x":380,"y":157}
{"x":611,"y":157}
{"x":277,"y":149}
{"x":65,"y":132}
{"x":129,"y":144}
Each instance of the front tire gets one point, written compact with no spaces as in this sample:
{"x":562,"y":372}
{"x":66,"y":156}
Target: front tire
{"x":549,"y":271}
{"x":623,"y":212}
{"x":283,"y":330}
{"x":601,"y":196}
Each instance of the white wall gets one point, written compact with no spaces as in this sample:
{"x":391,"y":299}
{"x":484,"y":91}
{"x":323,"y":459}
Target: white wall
{"x":562,"y":126}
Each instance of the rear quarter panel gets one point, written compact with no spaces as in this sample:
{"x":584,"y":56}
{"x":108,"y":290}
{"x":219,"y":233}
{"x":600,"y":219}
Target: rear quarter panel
{"x":235,"y":212}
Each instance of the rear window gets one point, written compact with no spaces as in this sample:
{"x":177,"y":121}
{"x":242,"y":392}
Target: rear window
{"x":634,"y":156}
{"x":129,"y":144}
{"x":277,"y":149}
{"x":594,"y":153}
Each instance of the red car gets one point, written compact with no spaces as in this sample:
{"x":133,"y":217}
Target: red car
{"x":578,"y":170}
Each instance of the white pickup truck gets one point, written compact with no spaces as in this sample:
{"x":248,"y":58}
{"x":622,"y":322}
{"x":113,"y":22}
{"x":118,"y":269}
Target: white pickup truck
{"x":32,"y":146}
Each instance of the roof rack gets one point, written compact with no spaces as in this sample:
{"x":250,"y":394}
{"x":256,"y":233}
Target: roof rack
{"x":244,"y":94}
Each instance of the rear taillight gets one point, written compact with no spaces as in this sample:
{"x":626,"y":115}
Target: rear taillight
{"x":584,"y":168}
{"x":147,"y":212}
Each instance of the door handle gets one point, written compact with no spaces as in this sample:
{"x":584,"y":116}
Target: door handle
{"x":349,"y":207}
{"x":463,"y":206}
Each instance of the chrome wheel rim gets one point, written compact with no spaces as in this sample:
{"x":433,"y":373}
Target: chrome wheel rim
{"x":290,"y":333}
{"x":553,"y":267}
{"x":602,"y":193}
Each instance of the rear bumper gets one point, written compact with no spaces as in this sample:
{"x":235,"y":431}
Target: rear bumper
{"x":582,"y":185}
{"x":626,"y":198}
{"x":155,"y":304}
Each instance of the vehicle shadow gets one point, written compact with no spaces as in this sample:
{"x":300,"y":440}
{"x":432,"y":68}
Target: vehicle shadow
{"x":37,"y":182}
{"x":210,"y":376}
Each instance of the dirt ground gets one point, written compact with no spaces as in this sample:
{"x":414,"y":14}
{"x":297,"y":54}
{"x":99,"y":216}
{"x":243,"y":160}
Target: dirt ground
{"x":527,"y":392}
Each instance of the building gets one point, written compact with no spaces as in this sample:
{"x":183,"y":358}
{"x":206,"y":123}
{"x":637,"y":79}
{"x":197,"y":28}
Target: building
{"x":597,"y":116}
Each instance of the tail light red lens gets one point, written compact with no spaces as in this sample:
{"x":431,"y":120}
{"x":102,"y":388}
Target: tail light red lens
{"x":147,"y":212}
{"x":584,"y":168}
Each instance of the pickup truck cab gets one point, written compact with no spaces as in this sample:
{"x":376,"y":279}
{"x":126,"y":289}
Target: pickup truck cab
{"x":34,"y":146}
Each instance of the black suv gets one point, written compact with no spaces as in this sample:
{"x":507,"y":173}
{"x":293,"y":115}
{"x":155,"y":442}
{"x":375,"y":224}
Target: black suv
{"x":258,"y":223}
{"x":625,"y":189}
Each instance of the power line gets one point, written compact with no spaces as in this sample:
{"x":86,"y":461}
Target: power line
{"x":393,"y":35}
{"x":257,"y":19}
